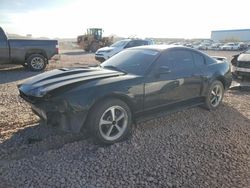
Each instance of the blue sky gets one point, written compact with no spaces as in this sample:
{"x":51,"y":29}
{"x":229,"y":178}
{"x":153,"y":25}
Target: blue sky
{"x":148,"y":18}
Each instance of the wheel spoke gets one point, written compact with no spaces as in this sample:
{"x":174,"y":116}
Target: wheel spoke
{"x":105,"y":122}
{"x":213,"y":99}
{"x":216,"y":100}
{"x":118,"y":128}
{"x":219,"y":93}
{"x":213,"y":93}
{"x":120,"y":117}
{"x":113,"y":114}
{"x":110,"y":130}
{"x":216,"y":90}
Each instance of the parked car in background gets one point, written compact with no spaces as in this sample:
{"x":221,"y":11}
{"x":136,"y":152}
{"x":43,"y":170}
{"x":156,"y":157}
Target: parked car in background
{"x":241,"y":64}
{"x":243,"y":46}
{"x":133,"y":84}
{"x":190,"y":45}
{"x":215,"y":46}
{"x":230,"y":46}
{"x":31,"y":53}
{"x":104,"y":53}
{"x":203,"y":46}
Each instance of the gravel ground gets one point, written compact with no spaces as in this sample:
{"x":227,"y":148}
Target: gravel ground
{"x":191,"y":148}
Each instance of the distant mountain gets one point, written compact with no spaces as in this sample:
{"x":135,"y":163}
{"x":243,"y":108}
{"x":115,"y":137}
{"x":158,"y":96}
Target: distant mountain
{"x":29,"y":36}
{"x":16,"y":36}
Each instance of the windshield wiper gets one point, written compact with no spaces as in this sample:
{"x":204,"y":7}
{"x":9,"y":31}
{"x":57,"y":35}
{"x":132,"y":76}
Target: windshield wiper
{"x":114,"y":68}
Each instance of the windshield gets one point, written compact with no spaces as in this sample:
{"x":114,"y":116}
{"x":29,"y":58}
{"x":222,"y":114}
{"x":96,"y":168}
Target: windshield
{"x":134,"y":61}
{"x":119,"y":43}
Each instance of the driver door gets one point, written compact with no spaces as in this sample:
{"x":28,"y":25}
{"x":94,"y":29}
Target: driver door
{"x":173,"y":78}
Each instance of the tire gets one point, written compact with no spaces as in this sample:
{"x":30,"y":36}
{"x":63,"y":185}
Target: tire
{"x":214,"y":97}
{"x":94,"y":47}
{"x":104,"y":127}
{"x":37,"y":62}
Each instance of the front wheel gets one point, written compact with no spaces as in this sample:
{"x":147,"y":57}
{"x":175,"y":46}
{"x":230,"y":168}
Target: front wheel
{"x":94,"y":47}
{"x":214,"y":96}
{"x":110,"y":121}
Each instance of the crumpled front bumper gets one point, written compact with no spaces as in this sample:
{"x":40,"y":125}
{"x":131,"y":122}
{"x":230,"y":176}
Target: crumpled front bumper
{"x":240,"y":70}
{"x":66,"y":116}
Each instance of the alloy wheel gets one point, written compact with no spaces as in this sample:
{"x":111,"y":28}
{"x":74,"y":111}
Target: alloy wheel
{"x":37,"y":63}
{"x":113,"y":123}
{"x":216,"y":95}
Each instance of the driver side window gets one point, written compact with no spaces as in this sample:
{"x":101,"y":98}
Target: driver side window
{"x":130,"y":44}
{"x":164,"y":60}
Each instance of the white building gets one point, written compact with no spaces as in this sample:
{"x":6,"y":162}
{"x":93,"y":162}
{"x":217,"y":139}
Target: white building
{"x":231,"y":35}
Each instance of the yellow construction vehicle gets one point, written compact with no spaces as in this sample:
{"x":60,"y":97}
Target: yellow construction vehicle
{"x":93,"y":40}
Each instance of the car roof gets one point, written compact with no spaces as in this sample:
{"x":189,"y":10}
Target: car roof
{"x":161,"y":47}
{"x":133,"y":39}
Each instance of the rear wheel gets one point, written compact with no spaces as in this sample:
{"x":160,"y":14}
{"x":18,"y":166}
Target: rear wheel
{"x":36,"y":62}
{"x":214,"y":96}
{"x":110,"y":121}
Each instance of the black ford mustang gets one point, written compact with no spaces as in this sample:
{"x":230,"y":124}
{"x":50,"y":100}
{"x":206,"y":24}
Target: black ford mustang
{"x":138,"y":82}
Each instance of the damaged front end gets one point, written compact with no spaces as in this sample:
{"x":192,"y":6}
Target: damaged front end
{"x":62,"y":96}
{"x":67,"y":115}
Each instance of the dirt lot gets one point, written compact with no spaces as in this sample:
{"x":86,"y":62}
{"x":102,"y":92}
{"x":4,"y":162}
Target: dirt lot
{"x":191,"y":148}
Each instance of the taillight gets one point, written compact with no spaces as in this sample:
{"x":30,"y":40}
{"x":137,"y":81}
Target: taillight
{"x":57,"y":48}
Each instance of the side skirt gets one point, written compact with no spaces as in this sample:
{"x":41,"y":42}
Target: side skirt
{"x":168,"y":109}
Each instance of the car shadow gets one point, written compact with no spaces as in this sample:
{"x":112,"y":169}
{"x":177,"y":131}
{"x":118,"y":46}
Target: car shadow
{"x":78,"y":52}
{"x":13,"y":74}
{"x":39,"y":138}
{"x":34,"y":140}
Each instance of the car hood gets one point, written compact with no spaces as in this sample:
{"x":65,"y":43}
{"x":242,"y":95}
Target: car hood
{"x":244,"y":57}
{"x":108,"y":48}
{"x":40,"y":85}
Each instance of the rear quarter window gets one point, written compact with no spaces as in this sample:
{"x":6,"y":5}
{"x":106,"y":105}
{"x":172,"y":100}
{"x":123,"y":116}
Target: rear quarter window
{"x":198,"y":59}
{"x":181,"y":59}
{"x":209,"y":60}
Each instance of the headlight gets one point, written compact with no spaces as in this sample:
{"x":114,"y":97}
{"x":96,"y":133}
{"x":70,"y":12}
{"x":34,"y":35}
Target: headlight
{"x":38,"y":92}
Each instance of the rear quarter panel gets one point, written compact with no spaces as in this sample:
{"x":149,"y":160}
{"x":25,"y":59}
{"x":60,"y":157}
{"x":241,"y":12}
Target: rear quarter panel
{"x":216,"y":71}
{"x":20,"y":47}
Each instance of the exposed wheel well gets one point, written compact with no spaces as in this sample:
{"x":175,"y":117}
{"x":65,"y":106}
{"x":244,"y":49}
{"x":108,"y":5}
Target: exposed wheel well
{"x":31,"y":52}
{"x":222,"y":80}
